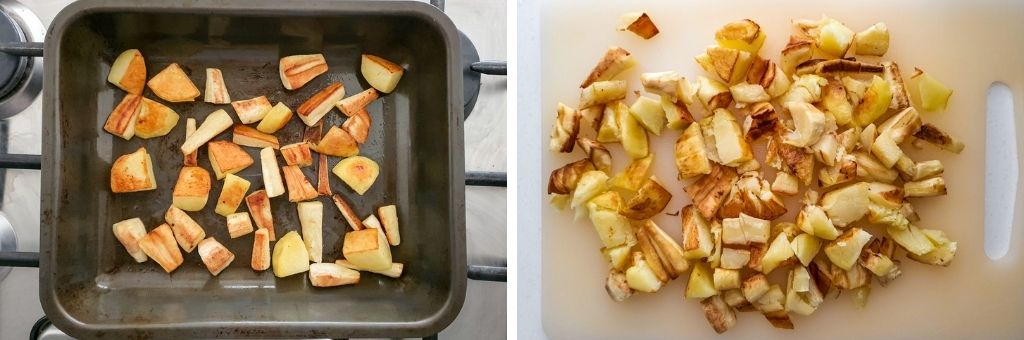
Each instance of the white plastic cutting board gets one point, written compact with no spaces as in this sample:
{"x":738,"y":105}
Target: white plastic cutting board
{"x":968,"y":45}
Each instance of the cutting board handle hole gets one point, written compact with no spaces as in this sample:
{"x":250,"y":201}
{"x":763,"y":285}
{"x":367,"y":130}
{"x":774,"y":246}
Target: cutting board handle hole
{"x":1001,"y":170}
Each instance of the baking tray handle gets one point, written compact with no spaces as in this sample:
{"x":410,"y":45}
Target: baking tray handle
{"x":486,"y":273}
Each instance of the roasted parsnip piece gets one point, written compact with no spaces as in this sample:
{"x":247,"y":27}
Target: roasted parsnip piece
{"x":297,"y":70}
{"x":713,"y":94}
{"x":639,"y":23}
{"x":932,"y":134}
{"x":760,"y":121}
{"x":617,"y":286}
{"x":791,"y":159}
{"x":708,"y":192}
{"x":215,"y":123}
{"x":271,"y":173}
{"x":186,"y":231}
{"x":261,"y":249}
{"x":247,"y":136}
{"x":356,"y":103}
{"x":252,"y":110}
{"x":347,"y":212}
{"x":389,"y":220}
{"x":192,"y":158}
{"x":603,"y":92}
{"x":129,"y":232}
{"x":299,"y":188}
{"x":691,"y":153}
{"x":215,"y":256}
{"x":567,"y":127}
{"x":159,"y":245}
{"x":719,"y":314}
{"x":317,"y":106}
{"x":666,"y":84}
{"x":259,"y":206}
{"x":239,"y":224}
{"x":597,"y":154}
{"x":358,"y":126}
{"x":331,"y":275}
{"x":832,"y":67}
{"x":216,"y":90}
{"x":297,"y":154}
{"x":614,"y":61}
{"x":394,"y":272}
{"x":935,"y":186}
{"x":311,"y":215}
{"x":121,"y":121}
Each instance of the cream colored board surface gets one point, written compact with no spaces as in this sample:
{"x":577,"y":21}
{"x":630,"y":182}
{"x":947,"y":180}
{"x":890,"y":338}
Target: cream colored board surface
{"x":966,"y":45}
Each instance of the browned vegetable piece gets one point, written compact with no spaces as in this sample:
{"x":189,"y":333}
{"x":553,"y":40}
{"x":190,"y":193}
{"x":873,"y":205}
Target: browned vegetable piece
{"x":649,"y":200}
{"x":761,"y":120}
{"x":640,"y":24}
{"x":567,"y":127}
{"x":347,"y":212}
{"x":596,"y":153}
{"x":563,"y":180}
{"x":836,"y":67}
{"x":779,"y":319}
{"x":708,"y":192}
{"x":791,"y":159}
{"x":719,"y":314}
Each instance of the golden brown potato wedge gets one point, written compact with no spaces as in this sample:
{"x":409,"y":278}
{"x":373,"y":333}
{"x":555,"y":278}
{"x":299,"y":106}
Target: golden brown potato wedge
{"x":173,"y":85}
{"x":227,"y":158}
{"x":128,"y":72}
{"x":338,"y":142}
{"x":154,"y":119}
{"x":251,"y":110}
{"x":649,"y":200}
{"x":132,"y":172}
{"x":614,"y":61}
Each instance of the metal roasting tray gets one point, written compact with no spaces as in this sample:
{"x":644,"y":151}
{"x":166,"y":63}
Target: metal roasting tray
{"x":90,"y":287}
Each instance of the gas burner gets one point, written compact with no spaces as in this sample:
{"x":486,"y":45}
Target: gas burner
{"x":21,"y":75}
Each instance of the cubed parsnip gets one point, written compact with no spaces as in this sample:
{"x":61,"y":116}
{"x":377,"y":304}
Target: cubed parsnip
{"x":192,"y":158}
{"x":192,"y":189}
{"x":719,"y":314}
{"x":159,"y":245}
{"x":614,"y":61}
{"x":227,"y":158}
{"x":845,"y":250}
{"x":833,"y":67}
{"x":806,"y":88}
{"x":752,"y":195}
{"x":771,"y":301}
{"x":872,"y":41}
{"x":634,"y":175}
{"x":778,"y":252}
{"x":731,"y":147}
{"x":215,"y":123}
{"x":709,"y":190}
{"x":886,"y":150}
{"x":901,"y":125}
{"x":732,"y":232}
{"x":641,"y":277}
{"x":612,"y":228}
{"x":927,"y":169}
{"x":231,"y":194}
{"x":154,"y":119}
{"x":358,"y":172}
{"x":173,"y":85}
{"x":847,"y":204}
{"x":928,"y":92}
{"x":216,"y":90}
{"x":338,"y":142}
{"x":666,"y":84}
{"x":639,"y":23}
{"x":805,"y":247}
{"x":734,"y":298}
{"x":356,"y":103}
{"x":609,"y":131}
{"x":132,"y":172}
{"x":347,"y":212}
{"x":297,"y":70}
{"x":713,"y":94}
{"x":389,"y":219}
{"x":943,"y":253}
{"x":271,"y":173}
{"x":275,"y":118}
{"x":812,"y":220}
{"x":394,"y":271}
{"x":810,"y":124}
{"x":311,"y":216}
{"x":649,"y":112}
{"x":121,"y":121}
{"x":874,"y":103}
{"x":745,"y":35}
{"x":677,"y":115}
{"x":252,"y":110}
{"x":755,"y":286}
{"x":617,"y":286}
{"x":592,"y":116}
{"x":871,"y":169}
{"x":802,"y":294}
{"x":785,"y":184}
{"x":259,"y":206}
{"x":290,"y":256}
{"x":690,"y":153}
{"x":597,"y":154}
{"x":215,"y":256}
{"x":761,"y":120}
{"x":734,"y":258}
{"x":935,"y":186}
{"x":794,"y":53}
{"x":650,"y":199}
{"x":367,"y":249}
{"x":186,"y":231}
{"x":128,"y":72}
{"x":562,"y":181}
{"x":331,"y":275}
{"x":701,"y":283}
{"x":603,"y":92}
{"x":317,"y":106}
{"x":239,"y":224}
{"x":900,"y":96}
{"x":299,"y":188}
{"x":911,"y":239}
{"x":670,"y":252}
{"x":729,"y":64}
{"x":650,"y":255}
{"x":567,"y":127}
{"x":358,"y":126}
{"x":297,"y":154}
{"x":380,"y":73}
{"x":749,"y":93}
{"x":129,"y":232}
{"x":932,"y":134}
{"x":372,"y":222}
{"x":755,"y":230}
{"x":590,"y":184}
{"x":261,"y":250}
{"x":697,"y":242}
{"x":634,"y":137}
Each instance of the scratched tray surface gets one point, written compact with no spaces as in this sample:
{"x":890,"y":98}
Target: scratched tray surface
{"x":968,"y":46}
{"x":407,"y":138}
